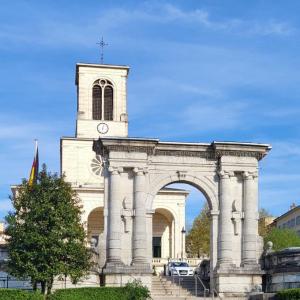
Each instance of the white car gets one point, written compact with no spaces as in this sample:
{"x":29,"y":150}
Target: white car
{"x":179,"y":268}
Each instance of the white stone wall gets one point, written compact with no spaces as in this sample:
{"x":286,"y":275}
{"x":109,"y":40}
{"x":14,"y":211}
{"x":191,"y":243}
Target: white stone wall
{"x":86,"y":76}
{"x":77,"y":157}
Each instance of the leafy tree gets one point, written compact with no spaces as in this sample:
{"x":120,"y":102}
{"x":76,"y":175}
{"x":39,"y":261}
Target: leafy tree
{"x":282,"y":238}
{"x":198,"y":238}
{"x":45,"y":234}
{"x":263,"y":226}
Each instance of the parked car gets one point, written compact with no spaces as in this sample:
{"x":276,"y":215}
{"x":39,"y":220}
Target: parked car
{"x":203,"y":269}
{"x":179,"y":268}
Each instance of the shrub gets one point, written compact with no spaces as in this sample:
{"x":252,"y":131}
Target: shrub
{"x":289,"y":294}
{"x":136,"y":291}
{"x":97,"y":293}
{"x":282,"y":238}
{"x":132,"y":291}
{"x":14,"y":294}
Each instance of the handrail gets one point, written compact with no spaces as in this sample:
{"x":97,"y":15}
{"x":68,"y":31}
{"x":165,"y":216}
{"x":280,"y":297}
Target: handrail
{"x":203,"y":285}
{"x":213,"y":294}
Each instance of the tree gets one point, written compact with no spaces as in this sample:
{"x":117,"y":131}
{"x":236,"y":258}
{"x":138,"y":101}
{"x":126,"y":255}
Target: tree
{"x":45,"y":234}
{"x":282,"y":238}
{"x":265,"y":218}
{"x":198,"y":238}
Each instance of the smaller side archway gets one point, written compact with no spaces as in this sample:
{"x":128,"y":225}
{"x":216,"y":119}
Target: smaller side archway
{"x":95,"y":224}
{"x":162,"y":233}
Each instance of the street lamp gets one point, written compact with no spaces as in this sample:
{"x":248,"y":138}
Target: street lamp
{"x":183,"y":231}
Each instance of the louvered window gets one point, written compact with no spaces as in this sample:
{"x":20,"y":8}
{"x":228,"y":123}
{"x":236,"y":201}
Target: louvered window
{"x":108,"y":103}
{"x":103,"y":99}
{"x":97,"y":102}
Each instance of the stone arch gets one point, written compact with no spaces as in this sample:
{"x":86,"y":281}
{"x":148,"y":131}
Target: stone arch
{"x":95,"y":223}
{"x":203,"y":184}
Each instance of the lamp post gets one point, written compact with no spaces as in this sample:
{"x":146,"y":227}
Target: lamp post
{"x":183,"y":231}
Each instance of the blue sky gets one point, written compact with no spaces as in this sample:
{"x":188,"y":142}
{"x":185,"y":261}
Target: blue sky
{"x":200,"y":71}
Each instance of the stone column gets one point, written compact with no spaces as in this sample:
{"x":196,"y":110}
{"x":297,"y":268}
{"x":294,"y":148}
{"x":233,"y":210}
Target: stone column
{"x":213,"y":245}
{"x":250,"y":226}
{"x":225,"y":225}
{"x":139,"y":224}
{"x":114,"y":217}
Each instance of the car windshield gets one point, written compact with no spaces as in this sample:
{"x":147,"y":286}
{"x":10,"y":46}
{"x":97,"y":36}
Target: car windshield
{"x":179,"y":264}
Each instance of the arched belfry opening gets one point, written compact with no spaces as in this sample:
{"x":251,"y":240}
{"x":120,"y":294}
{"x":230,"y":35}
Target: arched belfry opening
{"x":139,"y":170}
{"x":103,"y":100}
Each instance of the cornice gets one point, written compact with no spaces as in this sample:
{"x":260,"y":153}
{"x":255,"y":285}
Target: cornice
{"x":154,"y":147}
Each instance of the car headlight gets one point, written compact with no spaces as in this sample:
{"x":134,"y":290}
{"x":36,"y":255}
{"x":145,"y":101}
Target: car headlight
{"x":175,"y":272}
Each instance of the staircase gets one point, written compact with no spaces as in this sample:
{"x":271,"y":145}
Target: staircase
{"x":181,"y":288}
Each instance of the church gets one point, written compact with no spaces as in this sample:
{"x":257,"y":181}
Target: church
{"x":133,"y":218}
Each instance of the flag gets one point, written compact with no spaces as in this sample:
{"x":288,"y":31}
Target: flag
{"x":35,"y":166}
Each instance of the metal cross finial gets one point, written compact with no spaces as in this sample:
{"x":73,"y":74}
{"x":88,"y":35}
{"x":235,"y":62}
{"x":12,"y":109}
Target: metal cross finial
{"x":102,"y":44}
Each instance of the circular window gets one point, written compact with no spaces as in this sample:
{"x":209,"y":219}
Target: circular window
{"x":97,"y":165}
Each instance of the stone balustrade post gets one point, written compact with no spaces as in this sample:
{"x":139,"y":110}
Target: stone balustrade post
{"x":250,"y":225}
{"x":139,"y":224}
{"x":114,"y":217}
{"x":225,"y":225}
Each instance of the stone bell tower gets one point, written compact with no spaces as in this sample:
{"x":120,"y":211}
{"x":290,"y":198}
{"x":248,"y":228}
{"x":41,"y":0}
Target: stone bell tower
{"x":102,"y":100}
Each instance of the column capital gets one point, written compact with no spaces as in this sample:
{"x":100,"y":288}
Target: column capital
{"x":115,"y":170}
{"x":225,"y":174}
{"x":140,"y":171}
{"x":250,"y":175}
{"x":214,"y":213}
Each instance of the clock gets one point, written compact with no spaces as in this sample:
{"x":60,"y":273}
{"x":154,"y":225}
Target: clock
{"x":102,"y":128}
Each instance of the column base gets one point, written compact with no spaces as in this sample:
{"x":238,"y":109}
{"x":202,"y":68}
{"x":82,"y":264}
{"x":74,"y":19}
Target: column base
{"x":238,"y":282}
{"x":120,"y":275}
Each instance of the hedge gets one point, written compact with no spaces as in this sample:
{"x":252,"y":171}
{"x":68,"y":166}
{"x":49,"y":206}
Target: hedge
{"x":14,"y":294}
{"x":130,"y":292}
{"x":289,"y":294}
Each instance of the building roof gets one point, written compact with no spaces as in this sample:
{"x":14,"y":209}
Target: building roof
{"x":287,"y":213}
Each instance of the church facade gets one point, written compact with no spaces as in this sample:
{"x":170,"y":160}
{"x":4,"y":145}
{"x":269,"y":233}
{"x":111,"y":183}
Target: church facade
{"x":127,"y":209}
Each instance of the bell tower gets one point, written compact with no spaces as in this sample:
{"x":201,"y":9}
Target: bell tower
{"x":101,"y":100}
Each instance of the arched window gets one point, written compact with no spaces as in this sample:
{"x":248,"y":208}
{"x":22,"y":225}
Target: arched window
{"x":97,"y":102}
{"x":108,"y":103}
{"x":103,"y":96}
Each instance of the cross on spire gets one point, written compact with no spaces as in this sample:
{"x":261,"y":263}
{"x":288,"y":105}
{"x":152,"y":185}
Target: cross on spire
{"x":102,"y":44}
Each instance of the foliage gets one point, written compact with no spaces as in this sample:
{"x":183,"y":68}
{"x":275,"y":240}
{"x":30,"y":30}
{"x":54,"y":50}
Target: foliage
{"x":263,"y":227}
{"x":282,"y":238}
{"x":198,"y":238}
{"x":136,"y":291}
{"x":289,"y":294}
{"x":132,"y":291}
{"x":45,"y":234}
{"x":14,"y":294}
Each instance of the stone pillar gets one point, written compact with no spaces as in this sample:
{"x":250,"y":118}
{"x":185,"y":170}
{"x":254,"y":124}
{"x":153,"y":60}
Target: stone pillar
{"x":139,"y":224}
{"x":213,"y":245}
{"x":225,"y":225}
{"x":114,"y":217}
{"x":250,"y":226}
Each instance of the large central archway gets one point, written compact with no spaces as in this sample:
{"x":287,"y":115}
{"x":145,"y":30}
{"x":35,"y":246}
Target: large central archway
{"x":226,"y":173}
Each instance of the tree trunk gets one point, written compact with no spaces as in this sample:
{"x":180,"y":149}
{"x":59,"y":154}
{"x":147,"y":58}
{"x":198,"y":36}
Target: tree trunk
{"x":34,"y":285}
{"x":43,"y":286}
{"x":49,"y":285}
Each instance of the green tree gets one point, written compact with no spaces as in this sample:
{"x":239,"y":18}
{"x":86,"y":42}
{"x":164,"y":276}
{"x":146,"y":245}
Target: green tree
{"x":45,"y":234}
{"x":282,"y":238}
{"x":264,"y":222}
{"x":198,"y":238}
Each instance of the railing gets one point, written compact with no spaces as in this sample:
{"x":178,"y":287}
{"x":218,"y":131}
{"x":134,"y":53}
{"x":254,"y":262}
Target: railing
{"x":174,"y":281}
{"x":213,"y":294}
{"x":205,"y":290}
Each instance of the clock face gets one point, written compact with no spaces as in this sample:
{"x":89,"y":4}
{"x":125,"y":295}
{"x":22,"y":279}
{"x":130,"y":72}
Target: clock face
{"x":102,"y":128}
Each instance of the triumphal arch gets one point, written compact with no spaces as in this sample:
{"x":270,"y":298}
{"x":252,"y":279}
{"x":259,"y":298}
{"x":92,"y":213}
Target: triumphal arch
{"x":121,"y":182}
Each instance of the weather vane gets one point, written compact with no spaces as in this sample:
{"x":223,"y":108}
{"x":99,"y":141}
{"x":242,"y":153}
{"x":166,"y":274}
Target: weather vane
{"x":102,"y":44}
